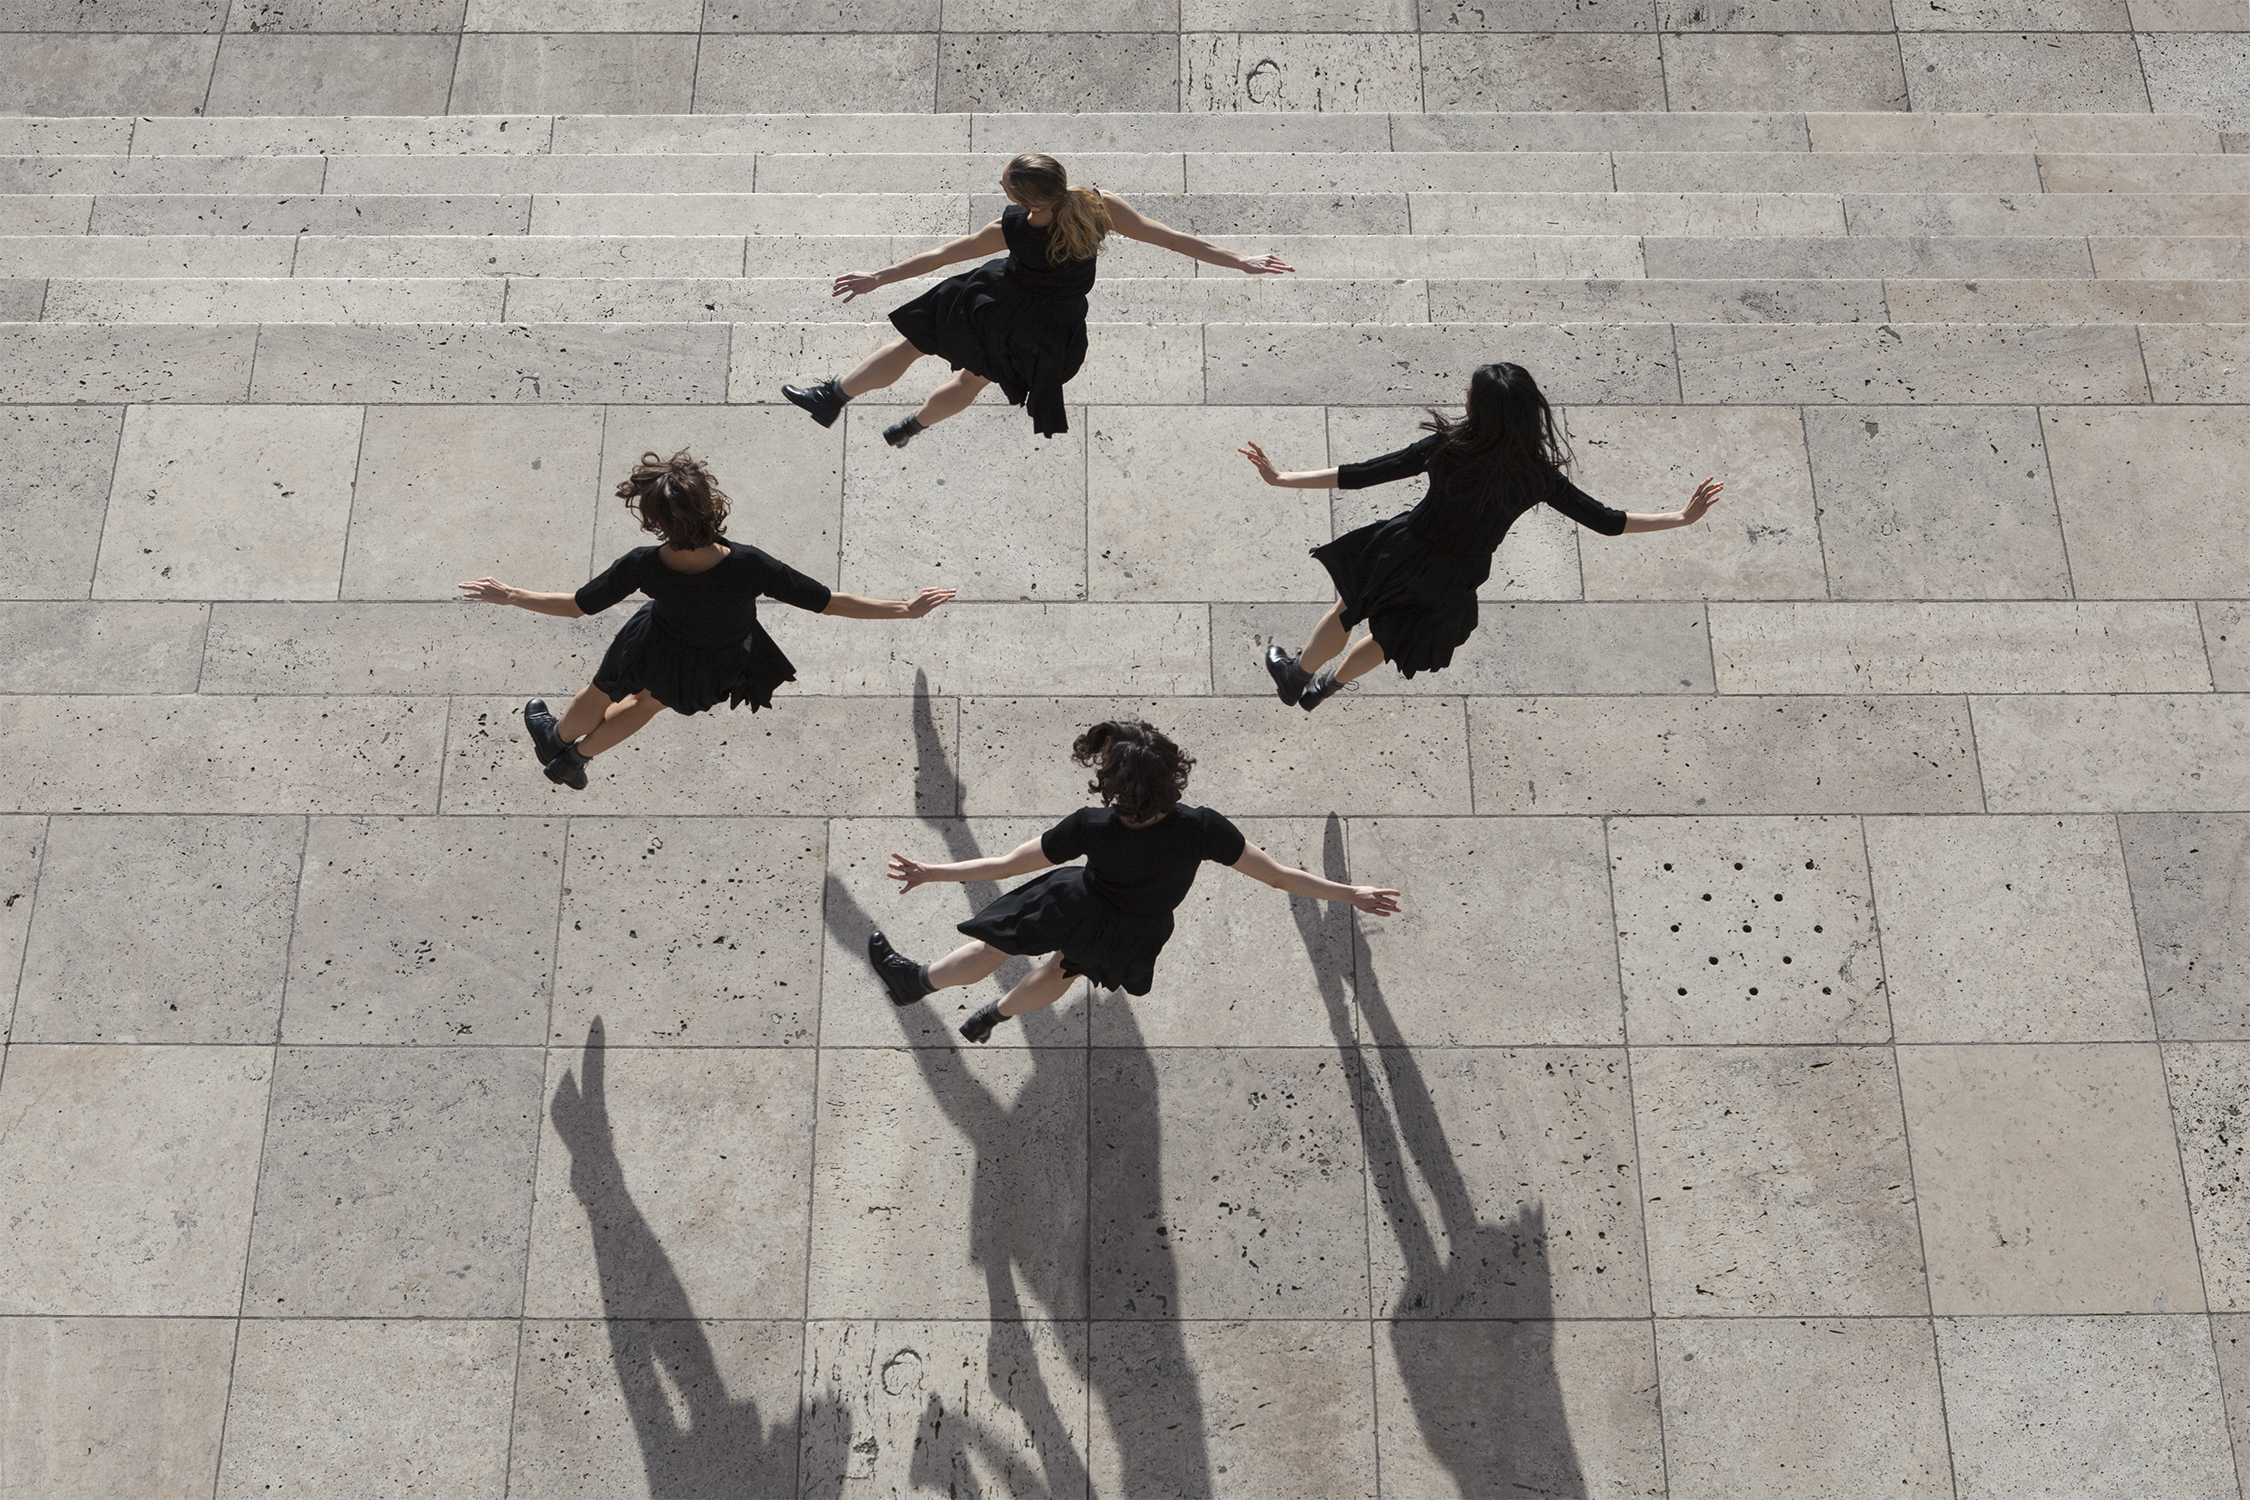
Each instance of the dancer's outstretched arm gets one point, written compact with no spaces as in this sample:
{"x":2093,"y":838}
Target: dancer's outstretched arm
{"x":860,"y":607}
{"x":1303,"y":479}
{"x":1260,"y":866}
{"x":1021,"y":860}
{"x":986,"y":241}
{"x":493,"y":591}
{"x":1699,"y":505}
{"x":1124,"y":219}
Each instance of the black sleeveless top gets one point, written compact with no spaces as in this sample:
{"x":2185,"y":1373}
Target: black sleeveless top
{"x":1028,"y":265}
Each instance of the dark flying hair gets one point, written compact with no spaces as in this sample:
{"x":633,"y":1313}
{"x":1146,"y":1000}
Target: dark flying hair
{"x":1509,"y":432}
{"x":1136,"y":769}
{"x":677,"y":499}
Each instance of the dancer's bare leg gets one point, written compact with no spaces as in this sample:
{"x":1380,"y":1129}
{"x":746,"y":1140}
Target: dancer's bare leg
{"x":967,"y":964}
{"x":1360,"y":660}
{"x":1328,"y":638}
{"x":624,"y":717}
{"x":882,"y":368}
{"x":950,"y":398}
{"x":585,"y":711}
{"x":1039,"y":989}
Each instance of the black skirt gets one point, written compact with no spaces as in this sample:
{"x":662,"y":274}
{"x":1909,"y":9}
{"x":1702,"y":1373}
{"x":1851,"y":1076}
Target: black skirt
{"x":1026,"y":343}
{"x":1057,"y":914}
{"x":1418,"y":602}
{"x":689,"y":679}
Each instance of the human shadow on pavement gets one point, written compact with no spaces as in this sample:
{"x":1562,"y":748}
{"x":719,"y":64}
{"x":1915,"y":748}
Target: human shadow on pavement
{"x":723,"y":1447}
{"x":1484,"y":1389}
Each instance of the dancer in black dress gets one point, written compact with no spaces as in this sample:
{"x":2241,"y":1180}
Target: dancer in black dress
{"x":1019,"y":322}
{"x":1414,"y":577}
{"x":1109,"y":918}
{"x":698,"y":642}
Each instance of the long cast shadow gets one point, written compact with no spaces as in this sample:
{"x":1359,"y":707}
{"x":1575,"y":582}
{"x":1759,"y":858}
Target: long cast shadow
{"x":1484,"y":1390}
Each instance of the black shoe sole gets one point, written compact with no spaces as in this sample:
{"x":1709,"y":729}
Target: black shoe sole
{"x":1279,"y":666}
{"x":898,"y":434}
{"x":561,"y":772}
{"x":813,"y":405}
{"x":978,"y":1034}
{"x":904,"y":986}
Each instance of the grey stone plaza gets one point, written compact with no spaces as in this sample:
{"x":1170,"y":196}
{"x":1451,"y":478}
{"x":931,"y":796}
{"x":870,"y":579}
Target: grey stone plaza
{"x":1814,"y":1056}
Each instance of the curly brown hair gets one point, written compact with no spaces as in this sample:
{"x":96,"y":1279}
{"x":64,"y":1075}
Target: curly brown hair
{"x":1137,"y":770}
{"x":677,"y":499}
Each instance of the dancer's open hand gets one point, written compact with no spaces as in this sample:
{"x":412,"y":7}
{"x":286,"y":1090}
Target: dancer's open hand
{"x":909,"y":873}
{"x":854,"y":284}
{"x":927,"y":600}
{"x":1264,"y":265}
{"x":1699,"y":504}
{"x":1261,"y":463}
{"x":1375,"y":901}
{"x":488,"y":590}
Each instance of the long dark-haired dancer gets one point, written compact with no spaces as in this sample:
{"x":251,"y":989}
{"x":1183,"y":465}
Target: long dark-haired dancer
{"x":697,"y":642}
{"x":1111,"y":917}
{"x":1414,"y":577}
{"x":1018,"y":322}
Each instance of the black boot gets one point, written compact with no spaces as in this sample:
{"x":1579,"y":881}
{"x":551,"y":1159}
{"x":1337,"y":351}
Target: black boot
{"x":899,"y":434}
{"x":1322,"y":687}
{"x":907,"y":980}
{"x":546,"y":735}
{"x":825,"y":401}
{"x":568,"y":769}
{"x":1289,"y":679}
{"x":978,"y":1028}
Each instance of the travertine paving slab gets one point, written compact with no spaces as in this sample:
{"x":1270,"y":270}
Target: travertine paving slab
{"x":1547,"y":130}
{"x":1188,"y":131}
{"x":2197,"y":74}
{"x":786,"y":475}
{"x":278,"y":74}
{"x":1021,"y":647}
{"x":129,"y":1178}
{"x":205,"y":954}
{"x":1713,"y":949}
{"x":110,"y":75}
{"x":2128,"y":753}
{"x":1995,"y":71}
{"x":1911,"y":364}
{"x":2142,"y":173}
{"x":2106,"y":1408}
{"x":2209,"y":1084}
{"x":1653,"y":301}
{"x":788,"y":73}
{"x":1285,"y":68}
{"x":1033,"y":72}
{"x":2232,"y":1335}
{"x":405,"y":648}
{"x":1959,"y":648}
{"x":934,"y":1163}
{"x":2197,"y":364}
{"x":1830,"y":1406}
{"x":2008,"y":930}
{"x":64,"y":214}
{"x":425,"y":931}
{"x":2184,"y":255}
{"x":396,"y":1183}
{"x":1376,"y":172}
{"x":1827,"y":172}
{"x":2191,"y":896}
{"x":1869,"y":254}
{"x":95,"y":135}
{"x":1775,"y":1182}
{"x":2111,"y":502}
{"x":1504,"y":936}
{"x":761,"y":213}
{"x":22,"y":845}
{"x":1723,"y":755}
{"x":609,"y":172}
{"x":515,"y":255}
{"x":371,"y":213}
{"x":2047,"y":213}
{"x":75,"y":362}
{"x":46,"y":453}
{"x":691,"y":932}
{"x":671,"y":1173}
{"x":109,"y":1406}
{"x":1812,"y":214}
{"x":1284,"y":1406}
{"x":2048,"y":1180}
{"x":1749,"y":71}
{"x":1566,"y":1407}
{"x":1306,"y":365}
{"x":368,"y":1405}
{"x":1224,"y":1183}
{"x":66,"y":646}
{"x":344,"y":135}
{"x":1547,"y":71}
{"x":1125,"y":363}
{"x":2010,"y":131}
{"x":2012,"y":300}
{"x":281,"y":176}
{"x":2226,"y":640}
{"x":610,"y":75}
{"x":159,"y":300}
{"x":469,"y":363}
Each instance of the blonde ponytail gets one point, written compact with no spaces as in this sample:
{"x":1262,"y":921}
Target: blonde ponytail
{"x":1081,"y":220}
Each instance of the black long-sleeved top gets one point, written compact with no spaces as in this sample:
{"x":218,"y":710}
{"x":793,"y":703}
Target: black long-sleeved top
{"x":1456,"y":515}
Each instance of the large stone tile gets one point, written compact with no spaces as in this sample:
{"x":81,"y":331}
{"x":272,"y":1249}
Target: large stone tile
{"x":1764,"y":541}
{"x":2047,"y":214}
{"x":932,"y":1164}
{"x":518,"y":256}
{"x":808,"y":756}
{"x":691,"y":932}
{"x":129,"y":1174}
{"x":1560,"y":1408}
{"x":1711,"y":952}
{"x":1723,"y":755}
{"x":425,"y":931}
{"x":1733,"y":364}
{"x":2200,"y":75}
{"x":345,"y":135}
{"x":583,"y":15}
{"x":2010,"y":300}
{"x":1808,"y":71}
{"x":973,"y":508}
{"x":595,"y":1408}
{"x":109,"y":75}
{"x":280,"y":74}
{"x":1224,"y":1184}
{"x":126,"y":754}
{"x":97,"y":1407}
{"x":896,"y":72}
{"x":594,"y":74}
{"x":898,"y":1407}
{"x":1240,"y":215}
{"x":1018,"y":72}
{"x":22,"y":842}
{"x":48,"y":175}
{"x":1819,"y":215}
{"x":1651,"y":301}
{"x":2197,"y":364}
{"x":1017,"y":755}
{"x":2232,"y":1335}
{"x":2008,"y":930}
{"x":2190,"y":15}
{"x":1826,"y":172}
{"x":27,"y":215}
{"x":1980,"y":647}
{"x":227,"y":214}
{"x":787,"y":478}
{"x":970,"y":172}
{"x":48,"y":548}
{"x":2098,"y":1408}
{"x":94,"y":135}
{"x":1556,"y":71}
{"x":743,"y":133}
{"x":1102,"y":15}
{"x":370,"y":1407}
{"x":1775,"y":1182}
{"x":819,"y":15}
{"x":1864,"y":255}
{"x":1980,"y":72}
{"x":444,"y":491}
{"x":2226,"y":640}
{"x":1299,"y":68}
{"x":1771,"y":1408}
{"x":2021,"y":15}
{"x":1449,"y":16}
{"x":397,"y":1183}
{"x":2160,"y":255}
{"x":1285,"y":16}
{"x":229,"y":502}
{"x":134,"y":16}
{"x":140,"y":255}
{"x":1936,"y":505}
{"x":157,"y":300}
{"x":2135,"y":130}
{"x":1265,"y":1408}
{"x":2073,"y":172}
{"x":347,"y":15}
{"x":1154,"y":529}
{"x":2209,"y":1085}
{"x":1504,"y":937}
{"x":2048,"y":1180}
{"x":1675,"y":16}
{"x":1313,"y":365}
{"x":2125,"y":753}
{"x":419,"y":649}
{"x":1126,"y":364}
{"x":2111,"y":501}
{"x":1023,"y":647}
{"x":202,"y":959}
{"x":74,"y":362}
{"x":1075,"y":132}
{"x":718,"y":1144}
{"x":2191,"y":897}
{"x":461,"y":365}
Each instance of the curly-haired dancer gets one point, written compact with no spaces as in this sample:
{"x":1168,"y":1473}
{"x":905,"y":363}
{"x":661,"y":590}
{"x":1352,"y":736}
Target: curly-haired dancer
{"x":697,"y":642}
{"x":1111,"y":917}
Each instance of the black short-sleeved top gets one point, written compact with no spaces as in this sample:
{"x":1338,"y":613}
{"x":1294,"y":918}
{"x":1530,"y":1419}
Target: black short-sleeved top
{"x":1143,"y":871}
{"x":1030,"y":264}
{"x":1455,"y":516}
{"x":716,"y":607}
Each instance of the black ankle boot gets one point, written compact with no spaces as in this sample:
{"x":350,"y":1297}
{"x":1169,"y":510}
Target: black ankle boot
{"x":1322,"y":687}
{"x":978,"y":1028}
{"x":907,"y":980}
{"x":825,"y":401}
{"x":1289,"y":679}
{"x":568,"y":769}
{"x":546,"y":735}
{"x":899,"y":434}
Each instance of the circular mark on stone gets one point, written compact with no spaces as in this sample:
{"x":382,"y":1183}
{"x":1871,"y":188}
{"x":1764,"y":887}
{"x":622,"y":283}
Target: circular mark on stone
{"x":1818,"y":928}
{"x":1675,"y":927}
{"x":1825,"y":990}
{"x":1683,"y":989}
{"x":1706,"y":895}
{"x":902,"y":1372}
{"x":1753,"y":989}
{"x":1263,"y":82}
{"x":1746,"y":927}
{"x":1738,"y":864}
{"x":1714,"y":958}
{"x":1785,"y":958}
{"x":1777,"y":895}
{"x":1808,"y":864}
{"x":1667,"y":867}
